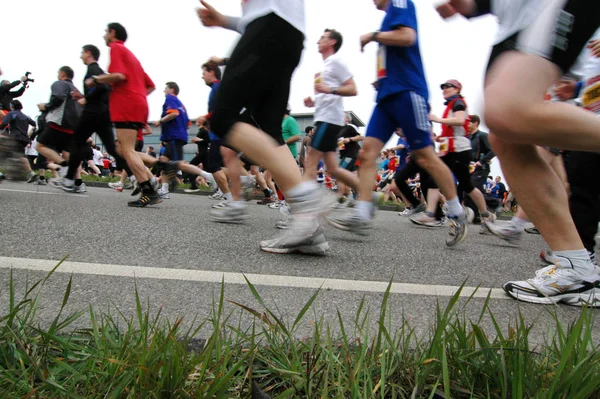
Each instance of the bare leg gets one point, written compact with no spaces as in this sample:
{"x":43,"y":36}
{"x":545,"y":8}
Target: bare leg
{"x":234,"y":168}
{"x":540,"y":192}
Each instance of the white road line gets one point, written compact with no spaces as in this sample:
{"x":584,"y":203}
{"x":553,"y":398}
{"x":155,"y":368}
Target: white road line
{"x":44,"y":192}
{"x":156,"y":273}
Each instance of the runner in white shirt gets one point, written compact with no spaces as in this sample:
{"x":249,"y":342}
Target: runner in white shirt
{"x":257,"y":78}
{"x":519,"y":119}
{"x":331,"y":85}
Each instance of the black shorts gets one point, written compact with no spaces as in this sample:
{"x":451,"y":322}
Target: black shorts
{"x":214,"y":160}
{"x":348,"y":163}
{"x":139,"y":145}
{"x":325,"y":138}
{"x":174,"y":150}
{"x":129,"y":125}
{"x":258,"y":76}
{"x":199,"y":158}
{"x":459,"y":162}
{"x":570,"y":25}
{"x":87,"y":154}
{"x":57,"y":140}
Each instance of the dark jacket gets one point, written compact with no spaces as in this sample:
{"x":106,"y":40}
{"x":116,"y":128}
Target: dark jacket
{"x":62,"y":109}
{"x":480,"y":145}
{"x":96,"y":97}
{"x":6,"y":96}
{"x":19,"y":125}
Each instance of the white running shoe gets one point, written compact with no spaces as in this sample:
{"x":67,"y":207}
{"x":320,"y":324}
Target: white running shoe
{"x":217,"y":196}
{"x":220,"y":205}
{"x":556,"y":285}
{"x":115,"y":185}
{"x":228,"y":213}
{"x":164,"y":194}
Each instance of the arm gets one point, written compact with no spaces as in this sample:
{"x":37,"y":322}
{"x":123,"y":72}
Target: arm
{"x":489,"y":155}
{"x":347,"y":89}
{"x":293,"y":139}
{"x":31,"y":122}
{"x":150,"y":86}
{"x":18,"y":93}
{"x":402,"y":36}
{"x":457,"y":120}
{"x":58,"y":96}
{"x":210,"y":17}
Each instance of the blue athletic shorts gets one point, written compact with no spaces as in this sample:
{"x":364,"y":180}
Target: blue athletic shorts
{"x":406,"y":110}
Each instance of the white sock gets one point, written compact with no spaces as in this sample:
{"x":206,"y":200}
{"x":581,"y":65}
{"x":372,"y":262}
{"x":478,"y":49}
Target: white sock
{"x":206,"y":175}
{"x":302,"y":191}
{"x":579,"y":259}
{"x":228,"y":197}
{"x":132,"y":179}
{"x":238,"y":204}
{"x":454,"y":208}
{"x":165,"y":186}
{"x":518,"y":223}
{"x":364,"y":209}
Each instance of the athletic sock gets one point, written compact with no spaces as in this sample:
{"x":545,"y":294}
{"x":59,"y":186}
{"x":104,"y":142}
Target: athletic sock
{"x":454,"y":208}
{"x":78,"y":182}
{"x":518,"y":223}
{"x":364,"y":209}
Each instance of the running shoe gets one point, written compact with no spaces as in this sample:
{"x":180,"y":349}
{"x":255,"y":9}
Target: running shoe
{"x":145,"y":200}
{"x":229,"y":213}
{"x":485,"y":221}
{"x":217,"y":196}
{"x":507,"y":232}
{"x":351,"y":222}
{"x":60,"y":184}
{"x":164,"y":194}
{"x":191,"y":190}
{"x":220,"y":205}
{"x":80,"y":189}
{"x":116,"y":185}
{"x":556,"y":285}
{"x":458,"y":229}
{"x":32,"y":178}
{"x":266,"y":201}
{"x":423,"y":219}
{"x":532,"y":230}
{"x":312,"y":244}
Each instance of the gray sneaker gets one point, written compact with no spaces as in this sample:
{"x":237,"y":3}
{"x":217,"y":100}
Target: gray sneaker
{"x":80,"y":189}
{"x":486,"y":222}
{"x":285,"y":223}
{"x":458,"y":229}
{"x":291,"y":242}
{"x":60,"y":184}
{"x":217,"y":196}
{"x":228,"y":213}
{"x":41,"y":182}
{"x":507,"y":232}
{"x":351,"y":222}
{"x":220,"y":205}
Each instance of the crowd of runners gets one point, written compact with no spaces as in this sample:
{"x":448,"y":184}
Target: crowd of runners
{"x":549,"y":149}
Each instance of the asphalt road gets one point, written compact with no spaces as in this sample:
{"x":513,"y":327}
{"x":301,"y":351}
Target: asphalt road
{"x":177,"y":258}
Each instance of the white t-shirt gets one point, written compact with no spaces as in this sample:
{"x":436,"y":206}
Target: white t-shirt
{"x":514,"y":15}
{"x":590,"y":69}
{"x":31,"y":150}
{"x":97,"y":157}
{"x":330,"y":107}
{"x":290,"y":10}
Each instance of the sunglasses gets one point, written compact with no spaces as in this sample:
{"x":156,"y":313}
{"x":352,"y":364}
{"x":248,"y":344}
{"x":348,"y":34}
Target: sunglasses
{"x":448,"y":85}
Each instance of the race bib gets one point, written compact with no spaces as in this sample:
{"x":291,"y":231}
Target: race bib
{"x":382,"y":62}
{"x":444,"y":146}
{"x":591,"y":95}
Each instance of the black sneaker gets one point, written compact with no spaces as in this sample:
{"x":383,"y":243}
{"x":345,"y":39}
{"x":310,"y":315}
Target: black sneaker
{"x":145,"y":200}
{"x":33,"y":178}
{"x":136,"y":190}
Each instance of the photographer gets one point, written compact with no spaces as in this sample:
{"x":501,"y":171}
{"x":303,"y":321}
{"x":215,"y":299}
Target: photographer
{"x":6,"y":96}
{"x":18,"y":125}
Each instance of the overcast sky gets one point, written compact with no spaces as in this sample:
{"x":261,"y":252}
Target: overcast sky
{"x":172,"y":45}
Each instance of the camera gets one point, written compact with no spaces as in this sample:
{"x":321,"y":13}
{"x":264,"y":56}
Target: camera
{"x":28,"y":79}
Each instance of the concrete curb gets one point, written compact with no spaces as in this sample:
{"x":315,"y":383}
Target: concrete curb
{"x":207,"y":193}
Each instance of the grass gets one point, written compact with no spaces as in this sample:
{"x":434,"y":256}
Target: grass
{"x":152,"y":357}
